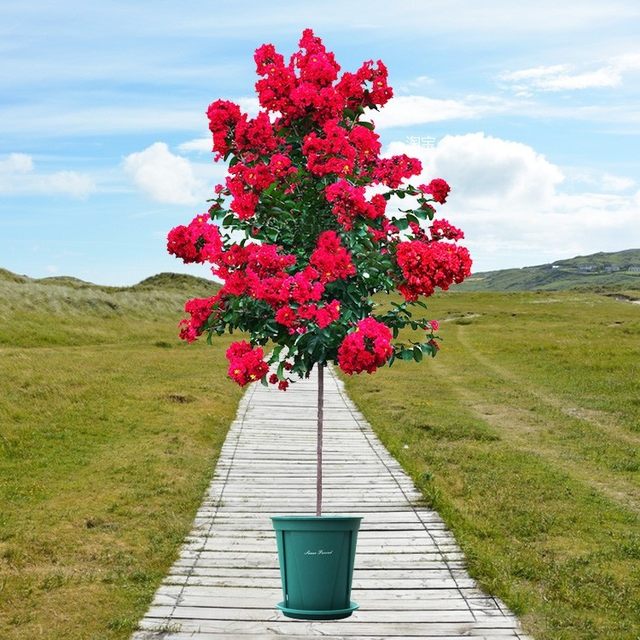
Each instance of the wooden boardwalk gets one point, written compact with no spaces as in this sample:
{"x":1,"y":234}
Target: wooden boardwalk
{"x":409,"y":574}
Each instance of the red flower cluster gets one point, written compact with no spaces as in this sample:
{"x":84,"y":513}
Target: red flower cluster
{"x":245,"y":184}
{"x":197,"y":242}
{"x":349,"y":202}
{"x":223,"y":117}
{"x":317,"y":66}
{"x":367,"y":146}
{"x":438,"y":188}
{"x":427,"y":265}
{"x":259,"y":270}
{"x":366,"y":87}
{"x":443,"y":229}
{"x":246,"y":364}
{"x":200,"y":309}
{"x":392,"y":171}
{"x":307,"y":87}
{"x":294,"y":319}
{"x":280,"y":166}
{"x":254,"y":136}
{"x":331,"y":152}
{"x":330,"y":259}
{"x":366,"y":348}
{"x":322,"y":316}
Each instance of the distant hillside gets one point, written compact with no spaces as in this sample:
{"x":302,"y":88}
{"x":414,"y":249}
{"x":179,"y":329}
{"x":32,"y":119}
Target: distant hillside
{"x":164,"y":293}
{"x":619,"y":270}
{"x":181,"y":281}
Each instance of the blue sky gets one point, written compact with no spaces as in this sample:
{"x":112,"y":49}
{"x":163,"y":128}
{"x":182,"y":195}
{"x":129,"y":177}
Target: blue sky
{"x":530,"y":112}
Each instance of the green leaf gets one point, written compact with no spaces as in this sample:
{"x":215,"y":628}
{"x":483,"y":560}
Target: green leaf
{"x":412,"y":218}
{"x":275,"y":355}
{"x":417,"y":354}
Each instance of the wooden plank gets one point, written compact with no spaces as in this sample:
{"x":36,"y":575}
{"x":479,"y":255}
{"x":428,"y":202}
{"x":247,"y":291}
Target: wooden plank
{"x":355,"y":627}
{"x":207,"y":635}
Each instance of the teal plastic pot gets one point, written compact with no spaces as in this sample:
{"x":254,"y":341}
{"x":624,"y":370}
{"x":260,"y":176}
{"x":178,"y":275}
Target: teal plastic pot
{"x":316,"y":565}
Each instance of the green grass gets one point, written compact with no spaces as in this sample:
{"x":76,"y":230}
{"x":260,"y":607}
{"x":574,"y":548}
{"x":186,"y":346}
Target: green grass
{"x":524,"y":433}
{"x":109,"y":433}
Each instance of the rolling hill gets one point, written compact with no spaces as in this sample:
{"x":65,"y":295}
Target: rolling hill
{"x":66,"y":310}
{"x":616,"y":271}
{"x":164,"y":292}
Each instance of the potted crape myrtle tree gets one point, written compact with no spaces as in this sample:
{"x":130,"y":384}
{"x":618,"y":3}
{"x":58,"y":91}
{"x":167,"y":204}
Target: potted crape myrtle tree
{"x":302,"y":236}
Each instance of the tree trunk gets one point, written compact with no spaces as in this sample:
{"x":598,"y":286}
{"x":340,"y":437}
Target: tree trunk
{"x":319,"y":449}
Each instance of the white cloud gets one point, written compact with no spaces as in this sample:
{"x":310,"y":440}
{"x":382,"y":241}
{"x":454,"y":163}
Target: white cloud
{"x":16,"y":163}
{"x":509,"y":199}
{"x":617,"y":183}
{"x":488,"y":170}
{"x":18,"y":176}
{"x":72,"y":183}
{"x":584,"y":177}
{"x":197,"y":145}
{"x":164,"y":176}
{"x":565,"y":77}
{"x":403,"y":111}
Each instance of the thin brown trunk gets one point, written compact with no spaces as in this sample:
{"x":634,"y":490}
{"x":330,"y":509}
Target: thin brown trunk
{"x":319,"y":450}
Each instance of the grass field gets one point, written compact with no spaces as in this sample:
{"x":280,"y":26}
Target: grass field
{"x":109,"y":432}
{"x":524,"y":433}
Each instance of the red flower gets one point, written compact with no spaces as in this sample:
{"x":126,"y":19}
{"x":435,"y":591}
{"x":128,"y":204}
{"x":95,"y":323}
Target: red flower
{"x":200,"y":309}
{"x":377,"y":91}
{"x":266,"y":58}
{"x":274,"y":91}
{"x":280,"y":166}
{"x":427,"y":265}
{"x":324,"y":316}
{"x":438,"y":188}
{"x":223,"y":117}
{"x":238,"y":349}
{"x":255,"y":135}
{"x":349,"y":201}
{"x":329,"y":153}
{"x":320,"y":105}
{"x":392,"y":171}
{"x":316,"y":64}
{"x":366,"y":144}
{"x":366,"y":348}
{"x":197,"y":242}
{"x":443,"y":229}
{"x":286,"y":316}
{"x":331,"y":260}
{"x":246,"y":364}
{"x":301,"y":289}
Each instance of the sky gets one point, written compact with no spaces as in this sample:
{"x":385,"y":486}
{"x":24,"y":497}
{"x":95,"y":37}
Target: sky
{"x":529,"y":110}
